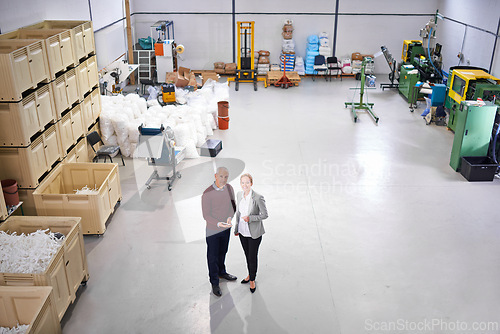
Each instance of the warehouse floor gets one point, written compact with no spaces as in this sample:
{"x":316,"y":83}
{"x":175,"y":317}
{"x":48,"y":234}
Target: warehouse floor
{"x":368,"y":227}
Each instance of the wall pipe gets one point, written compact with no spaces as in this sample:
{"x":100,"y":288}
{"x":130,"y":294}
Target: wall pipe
{"x":234,"y":30}
{"x":335,"y":27}
{"x":495,"y":45}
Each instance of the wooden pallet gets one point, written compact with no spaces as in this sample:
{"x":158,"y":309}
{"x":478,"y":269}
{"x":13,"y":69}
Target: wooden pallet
{"x":274,"y":76}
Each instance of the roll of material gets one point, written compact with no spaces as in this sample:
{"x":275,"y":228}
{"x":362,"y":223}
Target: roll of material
{"x":179,"y":49}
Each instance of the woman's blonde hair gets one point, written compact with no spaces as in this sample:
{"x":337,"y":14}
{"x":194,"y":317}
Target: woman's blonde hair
{"x":247,"y":175}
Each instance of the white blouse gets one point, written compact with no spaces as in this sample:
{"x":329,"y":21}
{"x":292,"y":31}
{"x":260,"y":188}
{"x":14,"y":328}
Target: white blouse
{"x":244,"y":209}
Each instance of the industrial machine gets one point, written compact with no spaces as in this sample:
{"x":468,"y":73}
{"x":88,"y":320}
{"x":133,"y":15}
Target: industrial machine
{"x":157,"y":145}
{"x":392,"y":65}
{"x":245,"y":71}
{"x":469,"y":83}
{"x":113,"y":77}
{"x":422,"y":60}
{"x":116,"y":89}
{"x":165,"y":49}
{"x":361,"y":105}
{"x":474,"y":126}
{"x":167,"y":95}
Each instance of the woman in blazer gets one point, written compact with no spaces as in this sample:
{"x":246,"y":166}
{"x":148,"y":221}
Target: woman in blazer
{"x":250,"y":213}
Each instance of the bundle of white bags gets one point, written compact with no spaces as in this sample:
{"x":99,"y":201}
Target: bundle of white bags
{"x":324,"y":45}
{"x":192,"y":121}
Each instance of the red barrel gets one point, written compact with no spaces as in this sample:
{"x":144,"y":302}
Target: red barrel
{"x":9,"y":188}
{"x":223,"y":115}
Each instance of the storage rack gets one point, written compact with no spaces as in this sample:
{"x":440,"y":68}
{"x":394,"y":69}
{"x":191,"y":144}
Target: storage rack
{"x":49,"y":100}
{"x":145,"y":61}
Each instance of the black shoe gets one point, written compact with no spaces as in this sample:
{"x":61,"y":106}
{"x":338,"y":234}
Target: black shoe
{"x":216,"y":290}
{"x":228,"y":277}
{"x":245,"y":281}
{"x":253,"y":290}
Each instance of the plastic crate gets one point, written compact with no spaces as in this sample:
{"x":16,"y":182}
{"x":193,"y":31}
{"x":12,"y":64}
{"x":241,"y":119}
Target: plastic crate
{"x":23,"y":65}
{"x":27,"y":164}
{"x":82,"y":34}
{"x":87,"y":75}
{"x":74,"y":262}
{"x":19,"y":121}
{"x":56,"y":194}
{"x":3,"y":207}
{"x":58,"y":45}
{"x":66,"y":91}
{"x":478,"y":168}
{"x":33,"y":306}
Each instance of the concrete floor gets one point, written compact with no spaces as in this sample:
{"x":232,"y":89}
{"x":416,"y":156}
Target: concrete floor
{"x":369,"y":229}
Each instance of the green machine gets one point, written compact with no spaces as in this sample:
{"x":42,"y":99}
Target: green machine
{"x":361,"y":105}
{"x":424,"y":57}
{"x":469,"y":83}
{"x":474,"y":124}
{"x":408,"y":78}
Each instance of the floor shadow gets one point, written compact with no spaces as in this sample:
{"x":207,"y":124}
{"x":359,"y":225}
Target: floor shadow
{"x":260,"y":320}
{"x":222,"y":308}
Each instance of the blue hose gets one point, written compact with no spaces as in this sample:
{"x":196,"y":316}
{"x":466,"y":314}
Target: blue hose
{"x":429,"y":56}
{"x":494,"y":147}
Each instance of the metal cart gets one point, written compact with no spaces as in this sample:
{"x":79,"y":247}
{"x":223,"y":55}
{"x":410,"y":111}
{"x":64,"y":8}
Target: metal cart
{"x":157,"y":145}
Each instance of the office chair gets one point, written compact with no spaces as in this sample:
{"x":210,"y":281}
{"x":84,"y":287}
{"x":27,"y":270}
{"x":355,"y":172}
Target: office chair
{"x":105,"y":151}
{"x":333,"y":65}
{"x":320,"y":66}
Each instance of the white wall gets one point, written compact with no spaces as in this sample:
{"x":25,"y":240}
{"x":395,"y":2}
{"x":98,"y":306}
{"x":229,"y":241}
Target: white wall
{"x":208,"y":37}
{"x":110,"y":42}
{"x":18,"y":13}
{"x":205,"y":27}
{"x":477,"y":45}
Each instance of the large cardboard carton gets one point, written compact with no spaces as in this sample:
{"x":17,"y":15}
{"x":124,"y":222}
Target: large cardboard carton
{"x":183,"y":77}
{"x":209,"y":75}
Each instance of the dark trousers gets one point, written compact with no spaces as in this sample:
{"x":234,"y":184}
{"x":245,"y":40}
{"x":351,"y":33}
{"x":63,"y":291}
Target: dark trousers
{"x":217,"y":245}
{"x":251,"y":248}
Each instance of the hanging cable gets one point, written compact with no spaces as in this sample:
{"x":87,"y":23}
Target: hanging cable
{"x":462,"y":48}
{"x":429,"y":56}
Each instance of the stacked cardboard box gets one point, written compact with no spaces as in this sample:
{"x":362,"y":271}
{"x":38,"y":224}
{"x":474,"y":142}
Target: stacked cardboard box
{"x":287,"y":47}
{"x":184,"y":77}
{"x":230,"y":68}
{"x":219,"y":67}
{"x":263,"y":65}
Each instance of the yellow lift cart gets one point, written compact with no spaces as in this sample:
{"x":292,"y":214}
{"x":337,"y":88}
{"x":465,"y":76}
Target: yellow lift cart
{"x":245,"y":71}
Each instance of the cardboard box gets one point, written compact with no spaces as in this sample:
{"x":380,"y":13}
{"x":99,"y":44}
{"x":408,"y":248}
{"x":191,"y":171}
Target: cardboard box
{"x":209,"y":75}
{"x":219,"y":64}
{"x":183,"y":77}
{"x":192,"y":81}
{"x":230,"y":68}
{"x":171,"y":77}
{"x":356,"y":56}
{"x":211,"y":148}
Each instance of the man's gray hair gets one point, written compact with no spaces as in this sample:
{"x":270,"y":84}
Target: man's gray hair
{"x":220,"y":169}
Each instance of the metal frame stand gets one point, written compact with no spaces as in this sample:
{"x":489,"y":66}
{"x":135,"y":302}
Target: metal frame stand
{"x":167,"y":149}
{"x":392,"y":65}
{"x":362,"y":105}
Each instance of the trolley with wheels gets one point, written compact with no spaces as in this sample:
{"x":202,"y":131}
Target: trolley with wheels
{"x":157,"y":145}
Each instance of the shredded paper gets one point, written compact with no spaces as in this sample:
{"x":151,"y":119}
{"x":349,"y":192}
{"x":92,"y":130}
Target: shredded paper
{"x":19,"y":329}
{"x":87,"y":191}
{"x":28,"y":253}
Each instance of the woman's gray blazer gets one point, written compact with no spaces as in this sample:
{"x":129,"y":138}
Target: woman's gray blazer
{"x":257,"y":213}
